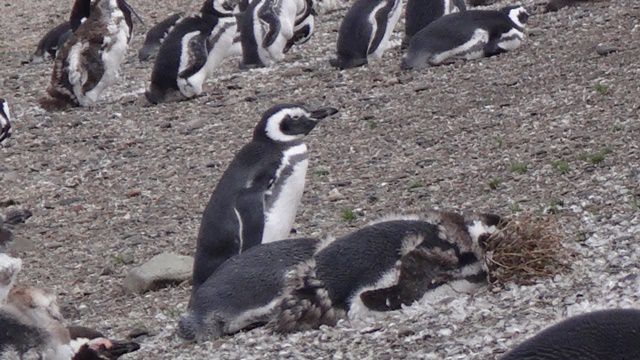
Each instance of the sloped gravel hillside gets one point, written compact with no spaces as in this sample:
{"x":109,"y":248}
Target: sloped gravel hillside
{"x":550,"y":126}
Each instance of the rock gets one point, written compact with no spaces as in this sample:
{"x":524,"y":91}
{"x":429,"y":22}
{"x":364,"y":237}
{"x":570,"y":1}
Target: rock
{"x":162,"y":270}
{"x":605,"y":49}
{"x":335,"y":195}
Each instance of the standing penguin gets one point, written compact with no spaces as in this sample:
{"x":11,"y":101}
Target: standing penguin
{"x":303,"y":26}
{"x":365,"y":31}
{"x":5,"y":120}
{"x":266,"y":27}
{"x":600,"y":335}
{"x":156,"y":35}
{"x":90,"y":60}
{"x":469,"y":34}
{"x":385,"y":265}
{"x":193,"y":49}
{"x":258,"y":195}
{"x":420,"y":13}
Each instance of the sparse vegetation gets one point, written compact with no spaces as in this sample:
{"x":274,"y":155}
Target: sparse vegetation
{"x":602,"y":89}
{"x":597,"y":157}
{"x":494,"y":183}
{"x":416,"y":185}
{"x":348,"y":215}
{"x":518,"y":168}
{"x":321,"y":171}
{"x":561,"y":166}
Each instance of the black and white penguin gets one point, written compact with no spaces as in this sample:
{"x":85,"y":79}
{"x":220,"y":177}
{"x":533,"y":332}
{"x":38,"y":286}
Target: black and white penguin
{"x":420,"y":13}
{"x":386,"y":265}
{"x":257,"y":197}
{"x":190,"y":53}
{"x":5,"y":120}
{"x":303,"y":26}
{"x":599,"y":335}
{"x":156,"y":35}
{"x":51,"y":42}
{"x":266,"y":26}
{"x":9,"y":269}
{"x":90,"y":59}
{"x":469,"y":34}
{"x":242,"y":293}
{"x":365,"y":31}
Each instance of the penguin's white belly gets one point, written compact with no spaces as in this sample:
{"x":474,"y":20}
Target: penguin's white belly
{"x":191,"y":86}
{"x":222,"y":37}
{"x":115,"y":45}
{"x":280,"y":216}
{"x":511,"y":40}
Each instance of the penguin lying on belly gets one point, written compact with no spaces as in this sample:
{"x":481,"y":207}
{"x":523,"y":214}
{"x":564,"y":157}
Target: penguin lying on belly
{"x":365,"y":31}
{"x":299,"y":284}
{"x":90,"y":59}
{"x":194,"y":47}
{"x":257,"y":197}
{"x":469,"y":34}
{"x":599,"y":335}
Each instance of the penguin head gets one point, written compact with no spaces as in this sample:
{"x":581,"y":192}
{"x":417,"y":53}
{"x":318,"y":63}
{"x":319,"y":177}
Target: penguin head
{"x":481,"y":226}
{"x":217,"y":8}
{"x":289,"y":122}
{"x":518,"y":15}
{"x":101,"y":348}
{"x":5,"y":120}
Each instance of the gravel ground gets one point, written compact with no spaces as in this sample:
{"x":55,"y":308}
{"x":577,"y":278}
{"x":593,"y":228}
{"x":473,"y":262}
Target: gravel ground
{"x":552,"y":125}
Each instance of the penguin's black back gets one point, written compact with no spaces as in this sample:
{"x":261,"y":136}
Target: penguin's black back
{"x":248,"y":42}
{"x":363,"y":257}
{"x":599,"y":335}
{"x":160,"y":30}
{"x":218,"y":235}
{"x":251,"y":279}
{"x":455,"y":29}
{"x":355,"y":31}
{"x":420,"y":13}
{"x":18,"y":336}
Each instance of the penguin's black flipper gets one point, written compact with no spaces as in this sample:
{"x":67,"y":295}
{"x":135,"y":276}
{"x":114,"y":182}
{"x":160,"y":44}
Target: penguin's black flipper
{"x":269,"y":20}
{"x":80,"y":11}
{"x":385,"y":299}
{"x":197,"y":50}
{"x":250,"y":212}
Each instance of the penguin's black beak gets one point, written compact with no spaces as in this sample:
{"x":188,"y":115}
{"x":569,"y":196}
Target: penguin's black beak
{"x":323,"y":113}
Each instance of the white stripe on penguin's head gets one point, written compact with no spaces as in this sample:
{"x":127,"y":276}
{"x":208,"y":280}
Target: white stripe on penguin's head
{"x":289,"y":122}
{"x":518,"y":16}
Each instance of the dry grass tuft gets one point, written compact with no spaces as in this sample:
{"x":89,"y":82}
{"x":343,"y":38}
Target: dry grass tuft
{"x":529,"y":247}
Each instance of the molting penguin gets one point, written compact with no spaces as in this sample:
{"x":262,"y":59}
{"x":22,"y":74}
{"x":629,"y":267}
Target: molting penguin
{"x":469,"y":34}
{"x":266,"y":26}
{"x":600,"y":335}
{"x":385,"y":265}
{"x":51,"y":42}
{"x":190,"y":53}
{"x":258,"y":195}
{"x":242,"y":293}
{"x":420,"y":13}
{"x":5,"y":120}
{"x":89,"y":61}
{"x":156,"y":35}
{"x":365,"y":31}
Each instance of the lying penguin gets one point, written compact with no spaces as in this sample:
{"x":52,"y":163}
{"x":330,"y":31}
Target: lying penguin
{"x":469,"y":34}
{"x":257,"y":197}
{"x":299,"y":284}
{"x":599,"y":335}
{"x":192,"y":50}
{"x":90,"y":59}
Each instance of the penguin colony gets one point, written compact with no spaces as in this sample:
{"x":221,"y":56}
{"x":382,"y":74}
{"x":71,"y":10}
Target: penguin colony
{"x":246,"y":272}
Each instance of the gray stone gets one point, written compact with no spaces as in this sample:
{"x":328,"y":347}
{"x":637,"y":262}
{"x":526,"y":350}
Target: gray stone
{"x":162,"y":270}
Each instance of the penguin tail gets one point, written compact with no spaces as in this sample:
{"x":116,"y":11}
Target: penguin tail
{"x":305,"y":304}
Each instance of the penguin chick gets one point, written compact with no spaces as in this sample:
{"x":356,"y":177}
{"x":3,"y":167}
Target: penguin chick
{"x":469,"y":34}
{"x":257,"y":197}
{"x":156,"y":35}
{"x":600,"y":335}
{"x":89,"y":61}
{"x":51,"y":42}
{"x":365,"y":31}
{"x":5,"y":120}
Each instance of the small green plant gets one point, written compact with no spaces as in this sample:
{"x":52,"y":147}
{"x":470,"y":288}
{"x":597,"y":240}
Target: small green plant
{"x":602,"y":89}
{"x":554,"y":206}
{"x":518,"y":168}
{"x":499,"y":141}
{"x":372,"y":124}
{"x":515,"y":207}
{"x":348,"y":215}
{"x":635,"y":201}
{"x":561,"y":166}
{"x":322,"y":172}
{"x":597,"y":157}
{"x":415,"y":185}
{"x":494,"y":183}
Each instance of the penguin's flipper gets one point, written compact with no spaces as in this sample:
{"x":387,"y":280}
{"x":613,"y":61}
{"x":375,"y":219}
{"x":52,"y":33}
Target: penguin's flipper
{"x":249,"y":209}
{"x":385,"y":299}
{"x":79,"y":13}
{"x":196,"y":56}
{"x":270,"y":25}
